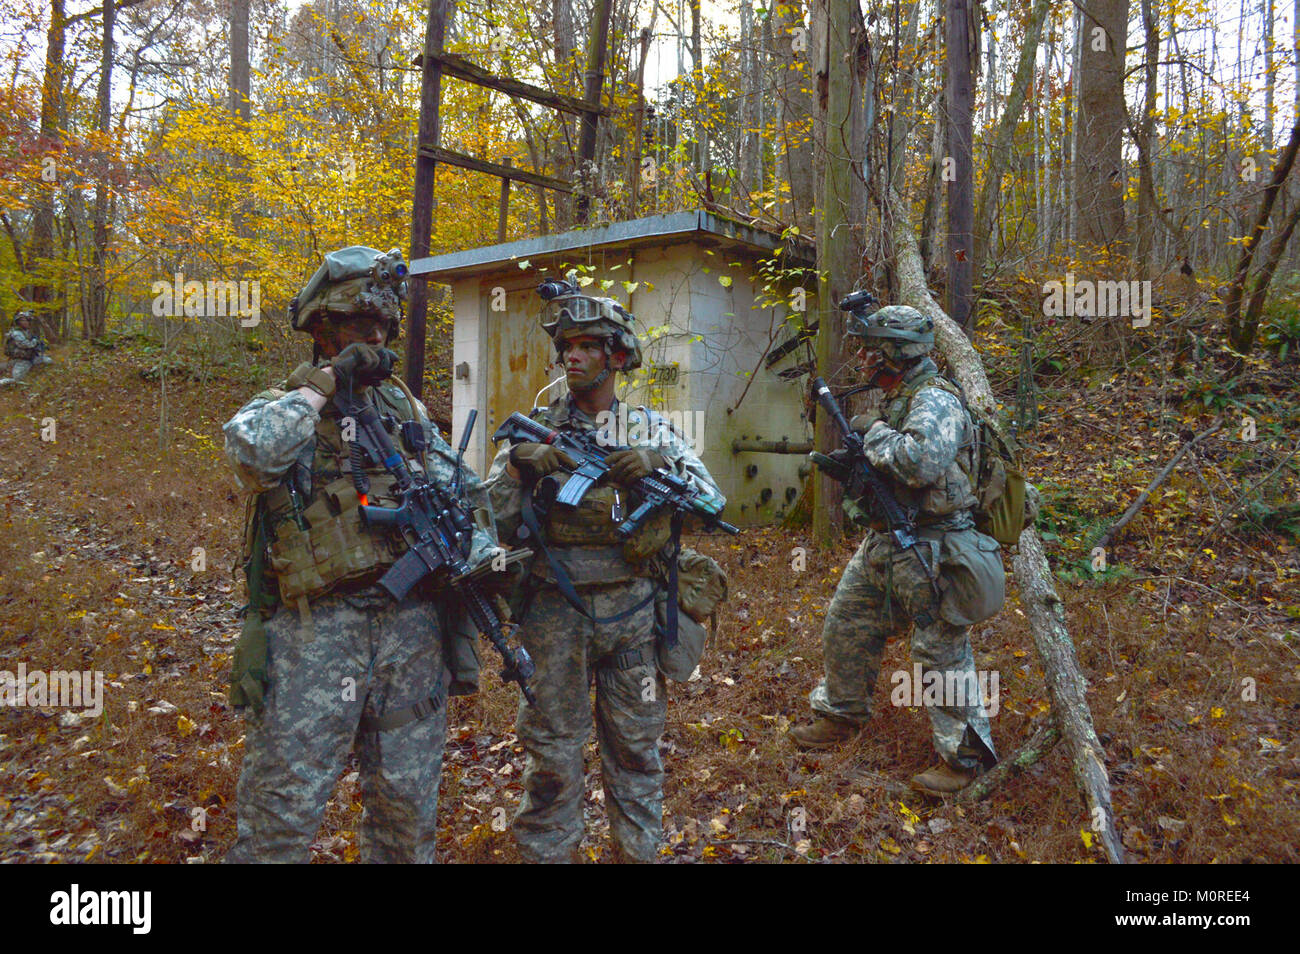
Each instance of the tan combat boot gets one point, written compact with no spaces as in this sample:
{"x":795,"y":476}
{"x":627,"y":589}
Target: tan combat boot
{"x":943,"y":779}
{"x":823,"y":733}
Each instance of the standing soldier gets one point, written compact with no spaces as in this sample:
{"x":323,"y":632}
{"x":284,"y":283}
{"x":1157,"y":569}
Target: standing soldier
{"x":328,"y":659}
{"x":923,"y":446}
{"x":25,"y":346}
{"x":610,"y":633}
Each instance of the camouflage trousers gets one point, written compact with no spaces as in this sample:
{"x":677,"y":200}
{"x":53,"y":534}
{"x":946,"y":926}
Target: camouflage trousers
{"x":879,"y":596}
{"x":631,"y":706}
{"x":22,"y":366}
{"x":358,"y":660}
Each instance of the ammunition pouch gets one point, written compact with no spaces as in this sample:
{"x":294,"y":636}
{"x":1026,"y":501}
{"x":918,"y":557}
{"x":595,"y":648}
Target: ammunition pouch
{"x":335,"y":547}
{"x":248,"y":666}
{"x":249,"y":675}
{"x":591,"y":524}
{"x":587,"y":566}
{"x":701,"y":587}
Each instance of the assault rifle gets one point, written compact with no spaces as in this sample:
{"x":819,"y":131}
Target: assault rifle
{"x":437,"y":526}
{"x":657,"y":489}
{"x":901,"y":523}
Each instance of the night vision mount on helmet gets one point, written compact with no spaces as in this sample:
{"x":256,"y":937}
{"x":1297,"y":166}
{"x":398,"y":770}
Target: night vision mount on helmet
{"x":899,"y":332}
{"x":567,"y":312}
{"x":354,"y":281}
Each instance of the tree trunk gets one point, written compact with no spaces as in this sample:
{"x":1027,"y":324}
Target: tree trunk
{"x":1241,"y":332}
{"x":42,"y":291}
{"x":933,"y":192}
{"x":1000,"y":157}
{"x":960,"y":97}
{"x":794,"y":109}
{"x":239,"y":80}
{"x":97,"y":315}
{"x":634,"y":163}
{"x":1033,"y":575}
{"x":1268,"y":73}
{"x":593,"y":83}
{"x":564,"y":45}
{"x":1099,"y":177}
{"x":1146,"y":217}
{"x":838,"y":258}
{"x":1255,"y":307}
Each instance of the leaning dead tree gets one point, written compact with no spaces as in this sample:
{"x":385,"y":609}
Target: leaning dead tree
{"x":1046,"y":613}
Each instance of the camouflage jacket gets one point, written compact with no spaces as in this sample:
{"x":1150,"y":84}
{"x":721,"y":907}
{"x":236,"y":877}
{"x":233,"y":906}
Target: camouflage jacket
{"x":645,"y":428}
{"x":922,"y":458}
{"x":272,"y":431}
{"x":23,"y":345}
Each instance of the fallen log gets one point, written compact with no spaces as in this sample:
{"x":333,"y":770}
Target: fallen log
{"x":1104,"y":540}
{"x":1033,"y":575}
{"x":1039,"y":744}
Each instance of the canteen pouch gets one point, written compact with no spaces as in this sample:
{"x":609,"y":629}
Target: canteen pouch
{"x":974,"y":582}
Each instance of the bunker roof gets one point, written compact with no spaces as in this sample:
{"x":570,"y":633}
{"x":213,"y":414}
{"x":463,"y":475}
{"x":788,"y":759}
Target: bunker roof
{"x":675,"y":227}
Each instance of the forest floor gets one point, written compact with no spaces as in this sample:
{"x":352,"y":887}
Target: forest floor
{"x":116,"y":556}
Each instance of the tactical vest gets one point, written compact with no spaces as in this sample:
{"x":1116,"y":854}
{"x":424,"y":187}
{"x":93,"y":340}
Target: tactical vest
{"x":316,"y":540}
{"x":900,"y":406}
{"x":15,"y":347}
{"x":591,"y":524}
{"x":865,"y":512}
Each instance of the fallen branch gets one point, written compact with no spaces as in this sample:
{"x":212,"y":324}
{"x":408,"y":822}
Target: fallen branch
{"x":1039,"y":744}
{"x":1227,"y":514}
{"x":1131,"y":512}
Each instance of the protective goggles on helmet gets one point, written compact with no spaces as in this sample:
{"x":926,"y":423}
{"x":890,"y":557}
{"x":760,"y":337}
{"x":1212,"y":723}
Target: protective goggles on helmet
{"x":564,"y":313}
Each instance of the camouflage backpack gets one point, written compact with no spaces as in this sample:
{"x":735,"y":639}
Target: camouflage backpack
{"x":997,"y":479}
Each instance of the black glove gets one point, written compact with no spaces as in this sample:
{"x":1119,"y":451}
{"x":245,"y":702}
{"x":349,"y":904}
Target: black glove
{"x":534,"y":461}
{"x":837,"y":465}
{"x":360,"y":365}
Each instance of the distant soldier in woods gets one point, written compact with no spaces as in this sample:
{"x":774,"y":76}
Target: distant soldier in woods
{"x":328,"y":659}
{"x":921,"y":440}
{"x":588,"y":607}
{"x":25,"y":347}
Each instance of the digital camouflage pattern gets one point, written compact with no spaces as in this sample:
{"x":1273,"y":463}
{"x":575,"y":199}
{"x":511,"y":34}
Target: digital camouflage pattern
{"x":921,"y":456}
{"x":266,"y":436}
{"x":631,"y":706}
{"x":652,"y":431}
{"x":25,"y":349}
{"x":366,"y":654}
{"x":883,"y":590}
{"x":899,"y":331}
{"x":297,"y":746}
{"x":631,"y":702}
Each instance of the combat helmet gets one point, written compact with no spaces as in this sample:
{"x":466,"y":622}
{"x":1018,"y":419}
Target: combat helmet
{"x":899,"y":332}
{"x":567,"y":314}
{"x":357,"y":280}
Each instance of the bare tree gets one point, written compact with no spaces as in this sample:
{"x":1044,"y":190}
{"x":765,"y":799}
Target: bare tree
{"x":1099,"y":177}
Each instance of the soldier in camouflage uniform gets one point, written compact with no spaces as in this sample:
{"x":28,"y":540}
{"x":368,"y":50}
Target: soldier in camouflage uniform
{"x":338,"y":664}
{"x":922,"y":444}
{"x":25,"y":347}
{"x":612,"y":638}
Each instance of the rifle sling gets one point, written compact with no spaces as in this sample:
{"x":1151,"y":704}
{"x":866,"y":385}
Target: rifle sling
{"x":565,"y":584}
